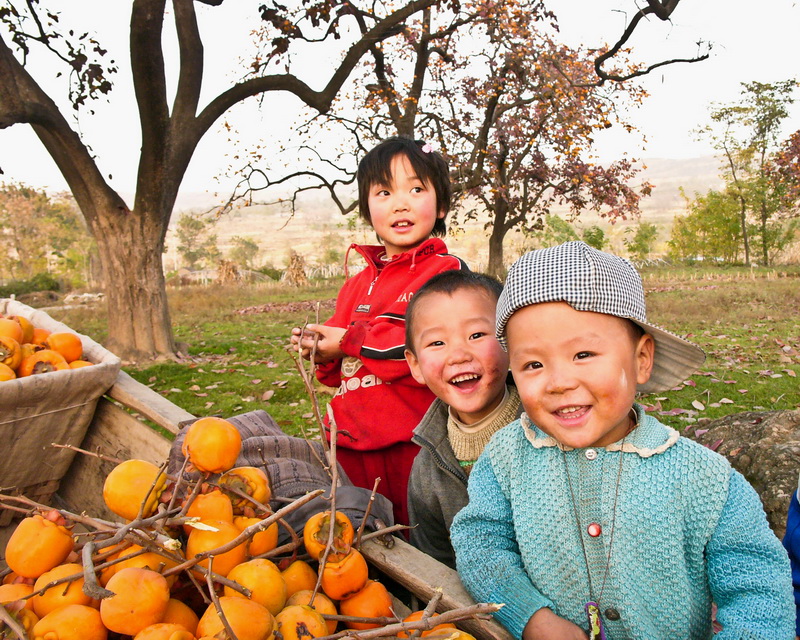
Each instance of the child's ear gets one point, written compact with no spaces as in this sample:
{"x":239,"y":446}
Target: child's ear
{"x":413,"y":364}
{"x":442,"y":213}
{"x":645,"y":356}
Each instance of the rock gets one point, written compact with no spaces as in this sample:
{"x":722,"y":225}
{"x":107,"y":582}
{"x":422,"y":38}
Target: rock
{"x":765,"y":448}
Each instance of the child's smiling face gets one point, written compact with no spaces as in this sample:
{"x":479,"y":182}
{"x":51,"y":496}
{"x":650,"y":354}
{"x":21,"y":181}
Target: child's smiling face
{"x":457,"y":354}
{"x":577,"y":371}
{"x":403,"y":213}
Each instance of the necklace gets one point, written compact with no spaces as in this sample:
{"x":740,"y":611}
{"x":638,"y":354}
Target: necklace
{"x":592,"y":607}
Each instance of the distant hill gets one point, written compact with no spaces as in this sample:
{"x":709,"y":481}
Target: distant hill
{"x":317,"y":225}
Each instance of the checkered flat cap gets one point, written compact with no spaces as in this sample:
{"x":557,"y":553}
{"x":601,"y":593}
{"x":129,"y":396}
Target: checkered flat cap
{"x":591,"y":280}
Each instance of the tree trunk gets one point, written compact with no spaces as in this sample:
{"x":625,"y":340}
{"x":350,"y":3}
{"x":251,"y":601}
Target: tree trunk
{"x":764,"y":239}
{"x":496,"y":265}
{"x":139,"y":325}
{"x":745,"y":238}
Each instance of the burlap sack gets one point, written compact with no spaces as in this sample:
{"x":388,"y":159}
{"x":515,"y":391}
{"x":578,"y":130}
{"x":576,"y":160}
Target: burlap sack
{"x":42,"y":409}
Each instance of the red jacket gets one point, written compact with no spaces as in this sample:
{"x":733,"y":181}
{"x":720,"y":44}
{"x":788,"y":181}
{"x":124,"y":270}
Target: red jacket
{"x":377,"y":402}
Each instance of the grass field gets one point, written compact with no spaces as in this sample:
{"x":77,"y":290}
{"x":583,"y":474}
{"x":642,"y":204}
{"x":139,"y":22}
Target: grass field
{"x":746,"y":320}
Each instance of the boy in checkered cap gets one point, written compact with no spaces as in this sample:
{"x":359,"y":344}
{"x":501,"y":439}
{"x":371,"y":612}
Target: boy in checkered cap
{"x":589,"y":518}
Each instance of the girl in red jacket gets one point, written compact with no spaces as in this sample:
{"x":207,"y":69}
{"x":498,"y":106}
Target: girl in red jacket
{"x":404,"y":193}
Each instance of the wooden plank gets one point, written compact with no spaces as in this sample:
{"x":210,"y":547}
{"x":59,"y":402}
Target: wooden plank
{"x":421,"y":574}
{"x":150,"y":404}
{"x":113,"y":432}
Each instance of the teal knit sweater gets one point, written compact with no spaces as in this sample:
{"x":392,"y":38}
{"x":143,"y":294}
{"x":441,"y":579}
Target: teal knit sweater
{"x":689,"y":530}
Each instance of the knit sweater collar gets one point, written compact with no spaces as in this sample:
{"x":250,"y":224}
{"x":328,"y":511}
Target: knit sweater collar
{"x":468,"y":445}
{"x":649,"y":438}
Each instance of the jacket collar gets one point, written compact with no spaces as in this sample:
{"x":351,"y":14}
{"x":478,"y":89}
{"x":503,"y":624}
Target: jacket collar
{"x":372,"y":253}
{"x":649,"y":438}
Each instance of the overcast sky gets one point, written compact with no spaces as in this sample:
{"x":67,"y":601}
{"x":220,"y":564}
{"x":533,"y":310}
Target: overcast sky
{"x":752,"y":44}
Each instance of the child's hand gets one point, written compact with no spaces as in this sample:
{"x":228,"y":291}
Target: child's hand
{"x":327,"y":338}
{"x":546,"y":625}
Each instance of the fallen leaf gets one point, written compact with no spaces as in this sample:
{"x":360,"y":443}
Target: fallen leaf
{"x":255,"y":381}
{"x":209,"y":405}
{"x":736,"y":451}
{"x":725,"y":401}
{"x":307,"y":415}
{"x":715,"y":446}
{"x":742,"y":390}
{"x":690,"y":383}
{"x":267,"y":395}
{"x":790,"y":373}
{"x":201,"y":395}
{"x":194,"y":387}
{"x":698,"y":405}
{"x":700,"y":432}
{"x":176,"y":390}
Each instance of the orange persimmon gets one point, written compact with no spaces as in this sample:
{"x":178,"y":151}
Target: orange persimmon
{"x":299,"y":576}
{"x":38,"y":544}
{"x":201,"y":540}
{"x":264,"y":581}
{"x":417,"y":615}
{"x":71,"y":622}
{"x":140,"y":599}
{"x":39,"y":336}
{"x":132,"y":483}
{"x":372,"y":601}
{"x":6,"y":373}
{"x":26,"y":326}
{"x":212,"y":445}
{"x":43,"y":361}
{"x":317,"y":530}
{"x":322,"y":604}
{"x":61,"y":594}
{"x":67,"y":344}
{"x":10,"y":352}
{"x":250,"y":481}
{"x":11,"y":329}
{"x":343,"y":578}
{"x":261,"y":542}
{"x":248,"y":619}
{"x":301,"y":622}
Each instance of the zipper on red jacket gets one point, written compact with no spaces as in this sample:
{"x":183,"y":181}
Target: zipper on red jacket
{"x":372,"y":284}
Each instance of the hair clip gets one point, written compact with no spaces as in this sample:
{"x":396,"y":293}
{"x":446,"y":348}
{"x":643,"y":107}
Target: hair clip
{"x":427,"y":147}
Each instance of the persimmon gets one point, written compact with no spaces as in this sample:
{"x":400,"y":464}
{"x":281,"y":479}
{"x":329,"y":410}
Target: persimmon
{"x":28,"y":349}
{"x":343,"y":578}
{"x":212,"y":445}
{"x":6,"y":373}
{"x":213,"y":505}
{"x":248,"y":619}
{"x":201,"y":540}
{"x":79,"y":364}
{"x":322,"y":604}
{"x":39,"y":336}
{"x":264,"y":581}
{"x":26,"y":326}
{"x":263,"y":541}
{"x":317,"y":530}
{"x":17,"y":591}
{"x":61,"y":594}
{"x":71,"y":622}
{"x":11,"y":329}
{"x":67,"y":344}
{"x":132,"y":483}
{"x":44,"y":361}
{"x":299,"y":576}
{"x":140,"y":599}
{"x":164,"y":631}
{"x":38,"y":544}
{"x":372,"y":601}
{"x":181,"y":613}
{"x":417,"y":615}
{"x":10,"y":352}
{"x":300,"y":622}
{"x":250,"y":481}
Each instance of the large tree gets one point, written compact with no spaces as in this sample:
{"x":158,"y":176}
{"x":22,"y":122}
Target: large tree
{"x":130,"y":239}
{"x":515,"y":111}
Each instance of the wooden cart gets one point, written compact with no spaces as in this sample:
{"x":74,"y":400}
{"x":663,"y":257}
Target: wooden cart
{"x":120,"y":429}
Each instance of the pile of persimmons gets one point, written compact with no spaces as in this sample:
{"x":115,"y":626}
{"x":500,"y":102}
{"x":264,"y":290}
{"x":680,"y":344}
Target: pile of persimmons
{"x":191,"y":563}
{"x":26,"y":350}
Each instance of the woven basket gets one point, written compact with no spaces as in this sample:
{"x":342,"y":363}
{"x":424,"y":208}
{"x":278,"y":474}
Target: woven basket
{"x":38,"y":410}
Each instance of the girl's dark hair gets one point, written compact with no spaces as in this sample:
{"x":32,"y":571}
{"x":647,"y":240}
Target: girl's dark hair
{"x":449,"y":282}
{"x":430,"y":166}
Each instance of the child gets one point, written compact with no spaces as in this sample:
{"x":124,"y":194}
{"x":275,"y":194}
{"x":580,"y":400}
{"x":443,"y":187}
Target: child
{"x":451,"y":347}
{"x":588,"y":514}
{"x":404,"y":193}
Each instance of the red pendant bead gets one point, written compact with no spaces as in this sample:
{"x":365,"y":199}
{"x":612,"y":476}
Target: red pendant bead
{"x":594,"y":529}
